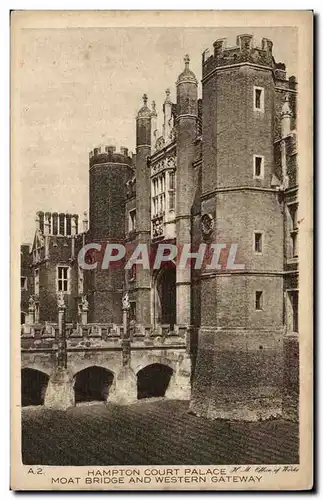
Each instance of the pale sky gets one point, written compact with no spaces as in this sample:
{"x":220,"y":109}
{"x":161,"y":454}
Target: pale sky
{"x":83,"y":87}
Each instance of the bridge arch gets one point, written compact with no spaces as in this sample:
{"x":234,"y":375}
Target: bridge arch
{"x":93,"y":383}
{"x":153,"y":380}
{"x":44,"y":367}
{"x":34,"y":384}
{"x":154,"y":358}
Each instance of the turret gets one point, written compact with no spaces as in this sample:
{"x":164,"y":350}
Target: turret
{"x":186,"y":130}
{"x":186,"y":91}
{"x":109,"y":172}
{"x":143,"y":151}
{"x":144,"y":124}
{"x":286,"y":116}
{"x":154,"y":130}
{"x":167,"y":117}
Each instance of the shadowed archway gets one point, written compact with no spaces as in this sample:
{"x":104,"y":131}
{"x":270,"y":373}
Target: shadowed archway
{"x":33,"y":387}
{"x":165,"y":296}
{"x":153,"y":381}
{"x":92,"y":384}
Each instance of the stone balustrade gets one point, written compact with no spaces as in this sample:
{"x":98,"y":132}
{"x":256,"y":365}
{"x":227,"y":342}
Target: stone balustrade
{"x":42,"y":335}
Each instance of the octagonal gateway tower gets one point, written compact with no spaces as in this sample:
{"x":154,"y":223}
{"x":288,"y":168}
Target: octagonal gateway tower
{"x":242,"y":307}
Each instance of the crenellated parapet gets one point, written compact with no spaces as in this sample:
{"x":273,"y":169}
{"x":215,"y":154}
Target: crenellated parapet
{"x":245,"y":51}
{"x":109,"y":154}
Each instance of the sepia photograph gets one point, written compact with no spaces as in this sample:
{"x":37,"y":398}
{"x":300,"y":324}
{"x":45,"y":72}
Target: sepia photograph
{"x":160,"y":232}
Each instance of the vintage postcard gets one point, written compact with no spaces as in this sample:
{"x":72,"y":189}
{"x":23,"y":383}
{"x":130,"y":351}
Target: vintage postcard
{"x":161,"y":250}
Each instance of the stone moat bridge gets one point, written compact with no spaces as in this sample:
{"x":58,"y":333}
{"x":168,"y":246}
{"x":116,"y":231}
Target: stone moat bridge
{"x":64,"y":364}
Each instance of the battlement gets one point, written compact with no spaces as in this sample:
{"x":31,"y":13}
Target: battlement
{"x":57,"y":223}
{"x":244,"y":51}
{"x":109,"y":154}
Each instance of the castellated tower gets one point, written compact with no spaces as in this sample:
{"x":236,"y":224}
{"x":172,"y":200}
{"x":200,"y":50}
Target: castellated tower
{"x":109,"y":172}
{"x":242,"y":307}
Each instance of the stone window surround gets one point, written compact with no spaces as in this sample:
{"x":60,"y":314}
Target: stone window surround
{"x":131,"y":220}
{"x":256,"y":252}
{"x":292,"y":211}
{"x":260,"y":109}
{"x":259,"y":300}
{"x":158,"y":190}
{"x":262,"y":173}
{"x":68,"y":279}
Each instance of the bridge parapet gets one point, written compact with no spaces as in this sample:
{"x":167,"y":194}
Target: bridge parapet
{"x":78,"y":336}
{"x":63,"y":351}
{"x":159,"y":335}
{"x":105,"y":331}
{"x":98,"y":336}
{"x":72,"y":330}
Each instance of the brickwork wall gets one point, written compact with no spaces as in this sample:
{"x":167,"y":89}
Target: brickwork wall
{"x":238,"y":215}
{"x":107,"y":296}
{"x":229,"y":302}
{"x":291,"y":378}
{"x":60,"y":253}
{"x":239,"y":375}
{"x":234,"y":132}
{"x":107,"y":200}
